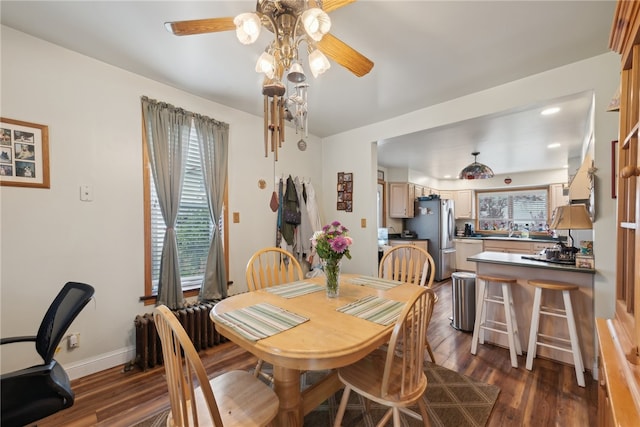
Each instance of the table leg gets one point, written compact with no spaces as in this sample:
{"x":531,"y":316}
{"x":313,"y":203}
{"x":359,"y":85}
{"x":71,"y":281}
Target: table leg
{"x":286,"y":384}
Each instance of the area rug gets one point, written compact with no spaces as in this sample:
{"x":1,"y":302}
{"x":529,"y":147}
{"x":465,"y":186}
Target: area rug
{"x":453,"y":400}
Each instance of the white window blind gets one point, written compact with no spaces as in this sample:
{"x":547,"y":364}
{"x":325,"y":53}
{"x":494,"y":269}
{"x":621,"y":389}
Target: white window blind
{"x":193,"y":228}
{"x":498,"y":210}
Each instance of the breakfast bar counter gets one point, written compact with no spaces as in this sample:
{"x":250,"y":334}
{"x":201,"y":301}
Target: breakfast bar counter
{"x":522,"y":269}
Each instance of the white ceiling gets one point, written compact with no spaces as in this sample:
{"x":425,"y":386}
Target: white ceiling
{"x":425,"y":53}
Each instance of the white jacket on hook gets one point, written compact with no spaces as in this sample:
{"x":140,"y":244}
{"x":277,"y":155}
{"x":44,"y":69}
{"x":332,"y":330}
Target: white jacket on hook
{"x":304,"y":231}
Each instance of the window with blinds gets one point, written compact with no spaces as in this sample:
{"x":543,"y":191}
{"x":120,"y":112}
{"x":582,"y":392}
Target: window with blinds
{"x":193,"y":228}
{"x":513,"y":210}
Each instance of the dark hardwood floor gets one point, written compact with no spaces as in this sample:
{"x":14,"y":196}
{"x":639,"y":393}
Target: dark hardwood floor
{"x":546,"y":396}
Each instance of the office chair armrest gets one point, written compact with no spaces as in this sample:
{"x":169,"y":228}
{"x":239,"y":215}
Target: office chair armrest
{"x":33,"y":371}
{"x":17,"y":339}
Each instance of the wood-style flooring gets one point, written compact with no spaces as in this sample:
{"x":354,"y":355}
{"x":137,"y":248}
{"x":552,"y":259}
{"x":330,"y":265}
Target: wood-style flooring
{"x":546,"y":396}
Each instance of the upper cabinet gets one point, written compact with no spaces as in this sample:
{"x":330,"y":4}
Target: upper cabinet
{"x":557,"y":197}
{"x":581,"y":185}
{"x":401,"y":199}
{"x":450,"y":195}
{"x":464,"y":204}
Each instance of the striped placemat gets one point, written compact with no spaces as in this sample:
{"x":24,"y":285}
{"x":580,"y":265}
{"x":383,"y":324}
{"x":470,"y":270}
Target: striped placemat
{"x":375,"y":282}
{"x":375,"y":309}
{"x":260,"y":321}
{"x":294,"y":289}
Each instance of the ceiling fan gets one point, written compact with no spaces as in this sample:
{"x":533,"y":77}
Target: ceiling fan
{"x":287,"y":20}
{"x":292,"y":22}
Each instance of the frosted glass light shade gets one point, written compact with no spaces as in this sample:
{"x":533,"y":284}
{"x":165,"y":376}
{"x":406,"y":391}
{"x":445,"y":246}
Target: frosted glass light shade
{"x":266,"y":64}
{"x":318,"y":63}
{"x":248,"y":27}
{"x":316,"y":23}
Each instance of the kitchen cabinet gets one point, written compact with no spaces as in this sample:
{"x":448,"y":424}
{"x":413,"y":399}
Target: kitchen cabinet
{"x":449,"y":195}
{"x":581,"y":185}
{"x":423,"y":244}
{"x":464,"y":249}
{"x":465,"y":206}
{"x":515,"y":247}
{"x":557,"y":197}
{"x":401,"y":199}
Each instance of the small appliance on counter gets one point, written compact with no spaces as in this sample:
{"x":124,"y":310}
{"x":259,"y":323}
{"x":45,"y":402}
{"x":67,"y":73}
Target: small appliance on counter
{"x":408,"y":234}
{"x":468,"y":230}
{"x":558,"y":254}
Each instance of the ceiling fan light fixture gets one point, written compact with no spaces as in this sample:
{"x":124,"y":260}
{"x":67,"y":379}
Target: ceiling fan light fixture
{"x":266,"y":64}
{"x":316,"y":23}
{"x":296,"y":73}
{"x":476,"y":170}
{"x":248,"y":26}
{"x":318,"y":63}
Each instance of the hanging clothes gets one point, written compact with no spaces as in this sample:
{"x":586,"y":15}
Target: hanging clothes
{"x":290,"y":206}
{"x":279,"y":216}
{"x":304,"y":232}
{"x":312,"y":207}
{"x":314,"y":216}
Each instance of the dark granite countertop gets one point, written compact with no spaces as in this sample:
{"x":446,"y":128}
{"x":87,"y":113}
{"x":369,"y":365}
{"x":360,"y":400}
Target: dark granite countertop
{"x":517,"y":260}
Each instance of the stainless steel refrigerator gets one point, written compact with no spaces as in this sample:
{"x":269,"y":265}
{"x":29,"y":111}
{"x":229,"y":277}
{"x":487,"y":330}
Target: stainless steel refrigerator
{"x":435,"y":220}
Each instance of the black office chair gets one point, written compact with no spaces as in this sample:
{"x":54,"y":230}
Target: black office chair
{"x":41,"y":390}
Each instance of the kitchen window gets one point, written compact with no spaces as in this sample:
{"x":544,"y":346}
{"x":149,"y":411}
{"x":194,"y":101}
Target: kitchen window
{"x":513,"y":211}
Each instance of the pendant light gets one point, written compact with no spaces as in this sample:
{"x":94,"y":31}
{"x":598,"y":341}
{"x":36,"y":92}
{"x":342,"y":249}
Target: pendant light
{"x":476,"y":170}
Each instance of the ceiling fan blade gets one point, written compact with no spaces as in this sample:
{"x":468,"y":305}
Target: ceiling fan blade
{"x":200,"y":26}
{"x":345,"y":55}
{"x":329,"y":5}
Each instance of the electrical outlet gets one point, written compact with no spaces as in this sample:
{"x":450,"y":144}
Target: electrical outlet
{"x":74,"y":340}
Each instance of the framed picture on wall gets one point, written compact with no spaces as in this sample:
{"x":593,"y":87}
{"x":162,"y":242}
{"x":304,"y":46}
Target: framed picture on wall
{"x":24,"y":154}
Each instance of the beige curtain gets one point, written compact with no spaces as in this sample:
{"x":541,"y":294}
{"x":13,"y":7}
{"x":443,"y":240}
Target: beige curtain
{"x":167,"y":130}
{"x":213,"y":137}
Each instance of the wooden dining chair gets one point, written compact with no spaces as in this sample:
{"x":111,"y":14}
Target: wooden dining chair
{"x":234,"y":398}
{"x":409,"y":263}
{"x":394,"y":376}
{"x":268,"y":267}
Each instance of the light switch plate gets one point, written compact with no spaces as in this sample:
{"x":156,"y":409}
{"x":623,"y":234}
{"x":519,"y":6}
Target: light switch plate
{"x":363,"y":222}
{"x":236,"y":217}
{"x":86,"y":193}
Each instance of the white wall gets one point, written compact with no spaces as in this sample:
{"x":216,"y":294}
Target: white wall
{"x":599,"y":74}
{"x":49,"y":237}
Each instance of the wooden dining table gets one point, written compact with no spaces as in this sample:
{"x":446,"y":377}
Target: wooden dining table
{"x":329,"y":338}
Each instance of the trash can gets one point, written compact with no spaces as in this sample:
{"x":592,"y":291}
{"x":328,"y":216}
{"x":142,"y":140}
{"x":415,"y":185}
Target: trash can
{"x":463,"y":300}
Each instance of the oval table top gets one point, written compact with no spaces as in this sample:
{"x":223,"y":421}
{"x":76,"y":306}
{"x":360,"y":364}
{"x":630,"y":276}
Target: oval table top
{"x":329,"y":339}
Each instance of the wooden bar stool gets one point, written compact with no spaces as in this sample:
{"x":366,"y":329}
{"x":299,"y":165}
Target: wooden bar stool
{"x":509,"y":327}
{"x":571,"y":345}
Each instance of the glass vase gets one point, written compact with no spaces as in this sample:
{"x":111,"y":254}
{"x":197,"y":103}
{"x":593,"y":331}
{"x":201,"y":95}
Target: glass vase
{"x":331,"y":269}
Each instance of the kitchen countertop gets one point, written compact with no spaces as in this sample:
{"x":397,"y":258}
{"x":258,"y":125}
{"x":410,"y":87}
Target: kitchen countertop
{"x":517,"y":260}
{"x":512,"y":239}
{"x":407,"y":238}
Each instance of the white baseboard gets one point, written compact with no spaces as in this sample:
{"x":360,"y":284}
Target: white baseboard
{"x":86,"y":367}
